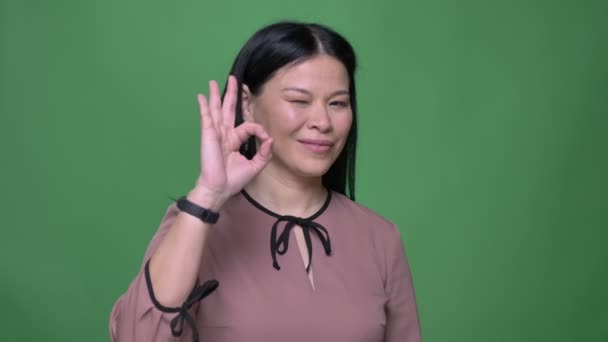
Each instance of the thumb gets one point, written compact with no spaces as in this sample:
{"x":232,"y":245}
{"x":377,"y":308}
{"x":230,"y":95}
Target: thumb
{"x":263,"y":156}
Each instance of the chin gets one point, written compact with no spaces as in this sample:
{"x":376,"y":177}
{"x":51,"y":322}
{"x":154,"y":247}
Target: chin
{"x":304,"y":165}
{"x":312,"y":169}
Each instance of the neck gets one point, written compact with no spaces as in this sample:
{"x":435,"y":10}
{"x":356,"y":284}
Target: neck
{"x":287,"y":194}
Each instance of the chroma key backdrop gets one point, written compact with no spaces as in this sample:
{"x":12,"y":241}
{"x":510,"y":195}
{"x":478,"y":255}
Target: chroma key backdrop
{"x":483,"y":136}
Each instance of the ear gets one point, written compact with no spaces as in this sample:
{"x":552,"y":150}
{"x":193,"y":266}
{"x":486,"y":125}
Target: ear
{"x":247,"y":104}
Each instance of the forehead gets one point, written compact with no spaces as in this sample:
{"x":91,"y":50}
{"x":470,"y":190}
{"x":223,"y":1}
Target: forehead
{"x":319,"y":74}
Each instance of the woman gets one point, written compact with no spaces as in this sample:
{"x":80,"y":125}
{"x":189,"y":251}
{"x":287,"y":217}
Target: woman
{"x":277,"y":155}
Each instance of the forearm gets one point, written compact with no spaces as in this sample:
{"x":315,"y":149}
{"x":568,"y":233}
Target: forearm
{"x":175,"y":264}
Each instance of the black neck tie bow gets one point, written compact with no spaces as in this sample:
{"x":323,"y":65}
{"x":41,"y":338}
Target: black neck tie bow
{"x":280,"y":244}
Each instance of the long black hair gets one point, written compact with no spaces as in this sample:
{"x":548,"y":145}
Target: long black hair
{"x":279,"y":44}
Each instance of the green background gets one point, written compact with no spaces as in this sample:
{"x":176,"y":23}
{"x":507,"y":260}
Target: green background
{"x":483,"y":135}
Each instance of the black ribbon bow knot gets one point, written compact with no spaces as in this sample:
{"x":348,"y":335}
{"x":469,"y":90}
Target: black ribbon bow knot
{"x":281,"y":244}
{"x":198,"y":294}
{"x":177,"y":323}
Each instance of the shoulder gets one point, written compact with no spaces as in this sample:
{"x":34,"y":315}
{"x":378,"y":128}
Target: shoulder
{"x":372,"y":231}
{"x":366,"y":218}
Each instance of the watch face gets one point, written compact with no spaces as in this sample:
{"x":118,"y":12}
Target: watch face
{"x":209,"y":216}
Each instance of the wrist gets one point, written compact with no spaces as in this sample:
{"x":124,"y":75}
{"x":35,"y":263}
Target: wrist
{"x":205,"y":198}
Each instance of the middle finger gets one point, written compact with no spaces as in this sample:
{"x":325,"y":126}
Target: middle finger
{"x":229,"y":103}
{"x":215,"y":103}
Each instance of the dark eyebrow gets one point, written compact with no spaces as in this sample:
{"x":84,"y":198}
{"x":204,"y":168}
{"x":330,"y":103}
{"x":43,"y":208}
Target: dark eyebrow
{"x":304,"y":91}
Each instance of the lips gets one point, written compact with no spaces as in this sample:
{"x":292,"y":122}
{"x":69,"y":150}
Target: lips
{"x":319,"y":142}
{"x":317,"y":146}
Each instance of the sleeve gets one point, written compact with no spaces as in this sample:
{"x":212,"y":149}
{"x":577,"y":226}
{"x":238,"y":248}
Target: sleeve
{"x":137,"y":316}
{"x":402,"y":324}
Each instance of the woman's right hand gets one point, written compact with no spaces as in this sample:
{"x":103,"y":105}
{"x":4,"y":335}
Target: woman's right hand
{"x":224,"y":170}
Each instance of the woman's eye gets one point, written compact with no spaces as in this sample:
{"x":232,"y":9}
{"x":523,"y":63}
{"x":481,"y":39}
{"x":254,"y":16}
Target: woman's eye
{"x":339,"y":103}
{"x":299,"y":101}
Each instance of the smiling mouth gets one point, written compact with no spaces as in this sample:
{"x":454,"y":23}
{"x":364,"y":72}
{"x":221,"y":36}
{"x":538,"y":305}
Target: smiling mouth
{"x":322,"y":142}
{"x":316,"y":147}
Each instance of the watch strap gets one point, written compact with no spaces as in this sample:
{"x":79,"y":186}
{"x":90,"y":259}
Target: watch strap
{"x":205,"y":215}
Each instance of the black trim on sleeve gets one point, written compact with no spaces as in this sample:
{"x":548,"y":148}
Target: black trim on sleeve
{"x":177,"y":323}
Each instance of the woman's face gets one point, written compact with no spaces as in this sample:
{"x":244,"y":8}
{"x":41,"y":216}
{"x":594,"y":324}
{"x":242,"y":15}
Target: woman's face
{"x":306,"y":109}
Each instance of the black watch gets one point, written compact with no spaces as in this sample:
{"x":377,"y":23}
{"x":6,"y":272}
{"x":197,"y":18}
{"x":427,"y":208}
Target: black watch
{"x":205,"y":215}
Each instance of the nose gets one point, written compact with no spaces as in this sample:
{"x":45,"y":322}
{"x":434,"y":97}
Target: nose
{"x":319,"y":118}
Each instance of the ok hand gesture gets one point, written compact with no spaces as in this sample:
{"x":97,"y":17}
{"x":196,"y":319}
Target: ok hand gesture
{"x":224,"y":171}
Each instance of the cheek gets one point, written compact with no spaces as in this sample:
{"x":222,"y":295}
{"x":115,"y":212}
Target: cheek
{"x":344,"y":123}
{"x":285,"y":120}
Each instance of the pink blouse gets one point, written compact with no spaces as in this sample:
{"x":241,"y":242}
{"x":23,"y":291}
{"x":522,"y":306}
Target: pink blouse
{"x":363,"y":289}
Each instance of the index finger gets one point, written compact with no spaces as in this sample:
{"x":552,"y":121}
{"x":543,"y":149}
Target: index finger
{"x":245,"y":130}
